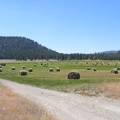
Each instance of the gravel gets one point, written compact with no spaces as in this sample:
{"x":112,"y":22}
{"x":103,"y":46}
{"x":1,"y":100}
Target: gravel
{"x":67,"y":106}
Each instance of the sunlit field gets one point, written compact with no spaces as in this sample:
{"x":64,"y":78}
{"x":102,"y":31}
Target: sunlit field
{"x":42,"y":77}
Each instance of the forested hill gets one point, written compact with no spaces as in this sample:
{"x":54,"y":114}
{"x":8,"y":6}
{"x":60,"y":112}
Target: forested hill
{"x":22,"y":48}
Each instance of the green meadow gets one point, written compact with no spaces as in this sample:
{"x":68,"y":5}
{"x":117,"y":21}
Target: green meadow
{"x":41,"y":77}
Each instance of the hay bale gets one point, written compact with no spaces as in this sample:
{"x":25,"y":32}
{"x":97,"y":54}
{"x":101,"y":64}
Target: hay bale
{"x":1,"y":69}
{"x":51,"y":69}
{"x":3,"y":64}
{"x":23,"y":67}
{"x":57,"y":69}
{"x":45,"y":65}
{"x":23,"y":72}
{"x":34,"y":65}
{"x":74,"y":75}
{"x":30,"y":70}
{"x":13,"y":68}
{"x":94,"y":69}
{"x":118,"y":68}
{"x":88,"y":68}
{"x":115,"y":71}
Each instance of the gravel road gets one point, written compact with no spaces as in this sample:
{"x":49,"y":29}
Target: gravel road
{"x":66,"y":106}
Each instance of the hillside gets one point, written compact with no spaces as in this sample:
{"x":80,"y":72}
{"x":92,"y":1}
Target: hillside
{"x":23,"y":48}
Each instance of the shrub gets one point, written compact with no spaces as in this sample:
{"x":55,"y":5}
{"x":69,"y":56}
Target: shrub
{"x":51,"y":70}
{"x":0,"y":66}
{"x":13,"y":68}
{"x":1,"y":69}
{"x":23,"y":72}
{"x":58,"y":69}
{"x":74,"y":75}
{"x":30,"y":70}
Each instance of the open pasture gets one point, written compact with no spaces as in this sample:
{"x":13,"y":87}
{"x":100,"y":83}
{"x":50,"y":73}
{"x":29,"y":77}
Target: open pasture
{"x":42,"y":77}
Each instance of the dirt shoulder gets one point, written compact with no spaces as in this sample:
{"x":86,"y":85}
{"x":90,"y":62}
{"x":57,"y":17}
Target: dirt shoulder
{"x":66,"y":106}
{"x":15,"y":107}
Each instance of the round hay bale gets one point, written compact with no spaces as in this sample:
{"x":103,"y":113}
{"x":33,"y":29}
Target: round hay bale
{"x":13,"y":68}
{"x":118,"y":68}
{"x":88,"y":68}
{"x":51,"y":69}
{"x":94,"y":69}
{"x":23,"y":72}
{"x":34,"y":65}
{"x":1,"y":66}
{"x":74,"y":75}
{"x":45,"y":65}
{"x":30,"y":70}
{"x":1,"y":69}
{"x":115,"y":71}
{"x":23,"y":67}
{"x":57,"y":69}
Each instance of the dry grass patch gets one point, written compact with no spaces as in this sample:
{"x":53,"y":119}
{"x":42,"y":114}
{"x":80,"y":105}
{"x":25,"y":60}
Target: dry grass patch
{"x":102,"y":75}
{"x":14,"y":107}
{"x":111,"y":90}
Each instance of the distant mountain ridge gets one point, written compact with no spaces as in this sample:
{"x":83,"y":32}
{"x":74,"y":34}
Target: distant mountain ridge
{"x":22,"y":48}
{"x":110,"y":52}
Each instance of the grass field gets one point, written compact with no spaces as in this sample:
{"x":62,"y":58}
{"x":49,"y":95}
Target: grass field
{"x":41,"y":76}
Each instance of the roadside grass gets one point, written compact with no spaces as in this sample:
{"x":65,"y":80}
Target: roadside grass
{"x":15,"y":107}
{"x":41,"y":77}
{"x":111,"y":90}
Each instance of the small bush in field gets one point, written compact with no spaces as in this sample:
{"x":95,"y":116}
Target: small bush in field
{"x":23,"y":72}
{"x":0,"y":66}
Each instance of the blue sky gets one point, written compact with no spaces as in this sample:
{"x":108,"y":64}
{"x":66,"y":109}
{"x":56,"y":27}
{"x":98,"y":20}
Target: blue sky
{"x":84,"y":26}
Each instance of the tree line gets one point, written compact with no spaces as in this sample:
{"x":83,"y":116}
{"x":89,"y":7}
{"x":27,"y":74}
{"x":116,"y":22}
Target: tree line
{"x":22,"y":48}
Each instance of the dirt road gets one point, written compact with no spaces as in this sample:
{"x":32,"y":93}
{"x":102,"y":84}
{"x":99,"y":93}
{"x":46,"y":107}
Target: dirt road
{"x":66,"y":106}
